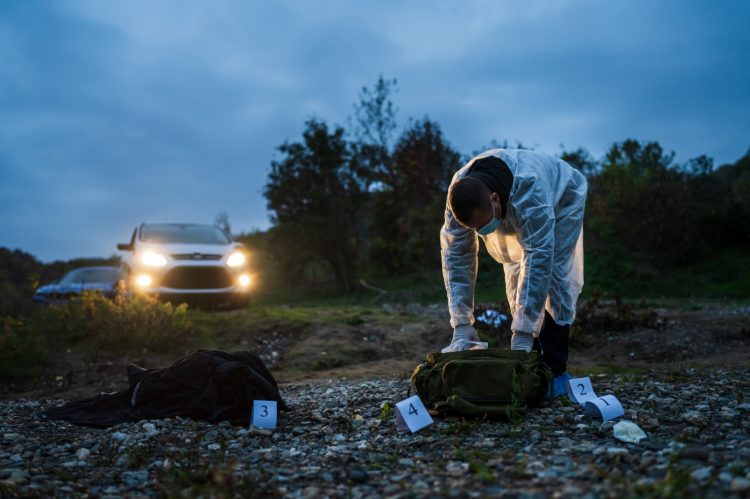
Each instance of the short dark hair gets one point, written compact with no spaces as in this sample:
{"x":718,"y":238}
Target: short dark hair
{"x":465,"y":196}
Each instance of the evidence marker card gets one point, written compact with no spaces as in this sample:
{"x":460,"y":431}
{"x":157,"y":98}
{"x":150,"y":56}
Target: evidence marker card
{"x":580,"y":390}
{"x":411,"y":414}
{"x":608,"y":407}
{"x":264,"y":414}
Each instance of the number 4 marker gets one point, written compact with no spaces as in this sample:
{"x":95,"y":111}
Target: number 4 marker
{"x":411,"y":414}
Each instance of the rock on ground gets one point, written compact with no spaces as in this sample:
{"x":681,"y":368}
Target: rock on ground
{"x":335,"y":442}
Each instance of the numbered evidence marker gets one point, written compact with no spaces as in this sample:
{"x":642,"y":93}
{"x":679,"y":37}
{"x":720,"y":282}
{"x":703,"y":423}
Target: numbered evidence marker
{"x":580,"y":390}
{"x":411,"y":414}
{"x":608,"y":407}
{"x":264,"y":414}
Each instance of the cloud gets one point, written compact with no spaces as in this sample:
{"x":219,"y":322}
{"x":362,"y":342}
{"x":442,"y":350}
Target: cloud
{"x":112,"y":113}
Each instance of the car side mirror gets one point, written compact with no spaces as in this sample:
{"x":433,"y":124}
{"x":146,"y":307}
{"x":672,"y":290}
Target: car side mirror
{"x":124,"y":247}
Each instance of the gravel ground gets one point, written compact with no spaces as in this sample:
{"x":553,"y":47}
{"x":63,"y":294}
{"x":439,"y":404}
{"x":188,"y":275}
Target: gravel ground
{"x":338,"y":440}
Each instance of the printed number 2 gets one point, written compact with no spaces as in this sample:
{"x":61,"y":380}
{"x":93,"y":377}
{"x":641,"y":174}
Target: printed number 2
{"x":265,"y":411}
{"x":583,"y":389}
{"x":412,"y":410}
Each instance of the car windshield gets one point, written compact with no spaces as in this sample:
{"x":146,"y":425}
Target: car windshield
{"x":183,"y":234}
{"x":90,"y":276}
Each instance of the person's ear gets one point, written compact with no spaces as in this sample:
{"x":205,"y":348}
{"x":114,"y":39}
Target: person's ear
{"x":495,"y":197}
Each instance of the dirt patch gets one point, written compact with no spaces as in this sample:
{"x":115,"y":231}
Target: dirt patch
{"x":708,"y":336}
{"x":389,"y":341}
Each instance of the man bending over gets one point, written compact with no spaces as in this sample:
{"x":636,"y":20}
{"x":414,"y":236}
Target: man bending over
{"x":528,"y":208}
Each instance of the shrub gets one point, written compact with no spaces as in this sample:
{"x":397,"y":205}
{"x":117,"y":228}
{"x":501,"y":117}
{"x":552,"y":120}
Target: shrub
{"x":20,"y":352}
{"x":127,"y":323}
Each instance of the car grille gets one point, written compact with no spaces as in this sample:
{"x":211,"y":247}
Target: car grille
{"x":197,"y":278}
{"x":195,"y":256}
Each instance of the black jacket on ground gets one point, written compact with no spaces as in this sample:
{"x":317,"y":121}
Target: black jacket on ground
{"x":207,"y":385}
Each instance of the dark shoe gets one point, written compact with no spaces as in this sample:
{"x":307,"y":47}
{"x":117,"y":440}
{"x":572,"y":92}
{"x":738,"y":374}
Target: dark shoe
{"x":553,"y":344}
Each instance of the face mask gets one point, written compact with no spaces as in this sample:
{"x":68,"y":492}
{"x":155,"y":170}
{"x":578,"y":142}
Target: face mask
{"x":492,"y":225}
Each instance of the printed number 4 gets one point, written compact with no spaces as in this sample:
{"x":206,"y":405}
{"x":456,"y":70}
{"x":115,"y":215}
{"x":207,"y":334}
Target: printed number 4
{"x":412,"y":410}
{"x":265,"y":411}
{"x":583,"y":389}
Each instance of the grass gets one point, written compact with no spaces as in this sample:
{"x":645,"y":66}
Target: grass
{"x":297,"y":314}
{"x":21,"y":352}
{"x":98,"y":326}
{"x":477,"y":466}
{"x":135,"y":327}
{"x":723,"y":277}
{"x":676,"y":484}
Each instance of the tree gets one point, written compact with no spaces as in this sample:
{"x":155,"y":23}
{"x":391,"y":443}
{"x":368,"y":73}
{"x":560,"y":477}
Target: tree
{"x":315,"y":196}
{"x":222,"y":220}
{"x":581,"y":160}
{"x":375,"y":116}
{"x":409,"y":211}
{"x":642,"y":201}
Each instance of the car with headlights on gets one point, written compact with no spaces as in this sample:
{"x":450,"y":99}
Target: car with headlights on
{"x":102,"y":279}
{"x":194,"y":263}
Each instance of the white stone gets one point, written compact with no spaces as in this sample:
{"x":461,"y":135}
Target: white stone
{"x":627,"y":431}
{"x":457,"y":468}
{"x":701,"y":474}
{"x":119,"y":436}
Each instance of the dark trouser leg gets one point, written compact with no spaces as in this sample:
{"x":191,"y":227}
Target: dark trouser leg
{"x":553,"y":345}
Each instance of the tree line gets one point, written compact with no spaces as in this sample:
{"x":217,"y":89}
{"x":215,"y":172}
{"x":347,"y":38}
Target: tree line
{"x":363,"y":201}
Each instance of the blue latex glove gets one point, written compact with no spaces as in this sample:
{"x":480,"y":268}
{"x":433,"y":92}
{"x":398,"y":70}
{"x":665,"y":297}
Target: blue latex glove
{"x":559,"y":386}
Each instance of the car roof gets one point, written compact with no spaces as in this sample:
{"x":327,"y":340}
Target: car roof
{"x":100,"y":267}
{"x":178,"y":223}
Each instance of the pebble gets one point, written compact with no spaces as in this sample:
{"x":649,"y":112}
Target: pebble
{"x":696,"y":453}
{"x":701,"y":474}
{"x":740,"y":485}
{"x":616,"y":451}
{"x":357,"y":475}
{"x":333,"y":444}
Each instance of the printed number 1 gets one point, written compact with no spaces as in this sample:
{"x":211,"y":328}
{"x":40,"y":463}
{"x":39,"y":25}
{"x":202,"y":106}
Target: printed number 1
{"x":605,"y":401}
{"x":583,"y":389}
{"x":265,"y":411}
{"x":412,"y":410}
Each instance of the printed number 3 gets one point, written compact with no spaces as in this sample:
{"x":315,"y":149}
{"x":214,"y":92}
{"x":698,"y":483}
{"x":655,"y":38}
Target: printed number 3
{"x":265,"y":411}
{"x":583,"y":389}
{"x":412,"y":410}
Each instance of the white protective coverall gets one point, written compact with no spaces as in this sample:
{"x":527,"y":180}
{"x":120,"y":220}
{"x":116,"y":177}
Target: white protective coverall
{"x":539,"y":243}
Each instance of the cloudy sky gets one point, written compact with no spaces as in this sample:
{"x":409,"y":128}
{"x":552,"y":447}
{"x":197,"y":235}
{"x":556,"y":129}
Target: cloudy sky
{"x":118,"y":112}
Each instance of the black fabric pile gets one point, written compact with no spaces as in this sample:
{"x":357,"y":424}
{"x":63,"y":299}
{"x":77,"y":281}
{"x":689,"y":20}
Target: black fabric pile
{"x":207,"y":385}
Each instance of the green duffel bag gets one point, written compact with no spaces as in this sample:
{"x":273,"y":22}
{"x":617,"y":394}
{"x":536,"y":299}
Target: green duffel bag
{"x":495,"y":383}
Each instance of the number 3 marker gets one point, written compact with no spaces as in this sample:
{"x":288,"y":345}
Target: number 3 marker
{"x":264,"y":414}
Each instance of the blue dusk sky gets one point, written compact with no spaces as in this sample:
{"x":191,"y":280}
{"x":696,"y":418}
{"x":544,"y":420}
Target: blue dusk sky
{"x":118,"y":112}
